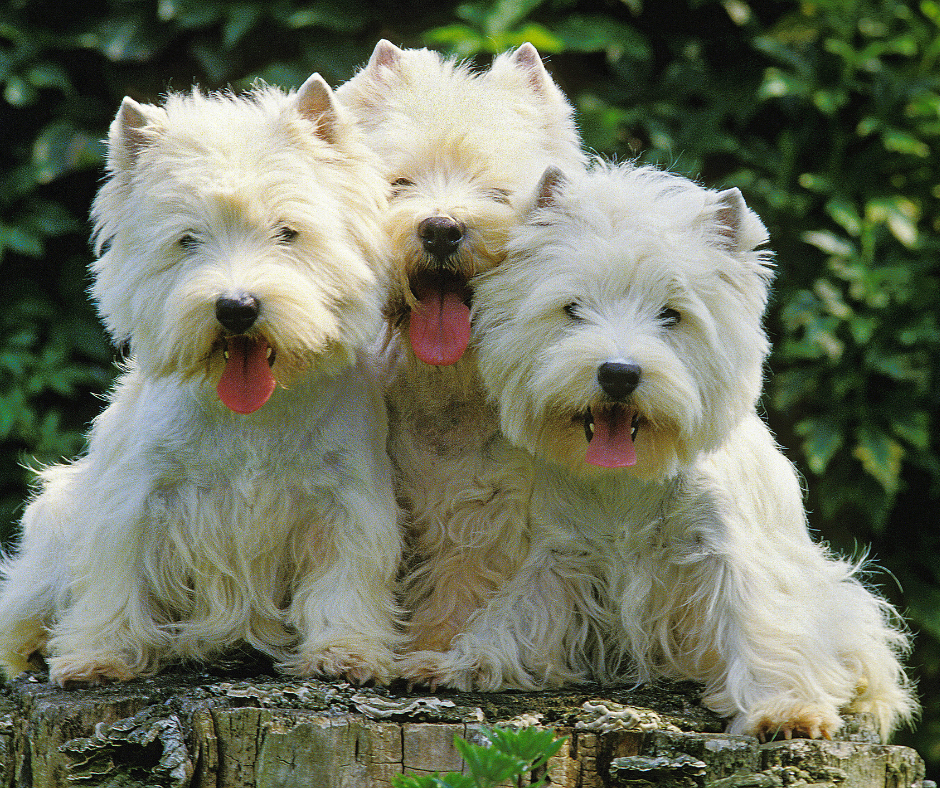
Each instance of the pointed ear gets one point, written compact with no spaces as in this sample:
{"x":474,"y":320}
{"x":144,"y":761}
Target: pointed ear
{"x":127,"y":133}
{"x":315,"y":102}
{"x":528,"y":59}
{"x":730,"y":209}
{"x":550,"y":185}
{"x":385,"y":54}
{"x":737,"y":228}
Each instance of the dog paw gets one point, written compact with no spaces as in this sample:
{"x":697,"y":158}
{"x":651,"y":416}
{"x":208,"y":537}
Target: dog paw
{"x":88,"y":669}
{"x":794,"y":720}
{"x":435,"y":669}
{"x":357,"y":665}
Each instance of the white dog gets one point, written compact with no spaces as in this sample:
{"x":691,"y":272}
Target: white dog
{"x":462,"y":150}
{"x":622,"y":340}
{"x":236,"y":489}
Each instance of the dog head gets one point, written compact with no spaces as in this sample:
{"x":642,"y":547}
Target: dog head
{"x":240,"y":238}
{"x":623,"y":331}
{"x":459,"y":149}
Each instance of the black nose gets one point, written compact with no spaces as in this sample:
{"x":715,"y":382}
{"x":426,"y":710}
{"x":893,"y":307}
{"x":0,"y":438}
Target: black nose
{"x":237,"y":314}
{"x":618,"y":380}
{"x":440,"y":236}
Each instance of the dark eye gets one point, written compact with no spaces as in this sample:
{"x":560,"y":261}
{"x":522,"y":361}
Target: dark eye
{"x":499,"y":195}
{"x":284,"y":234}
{"x":188,"y":242}
{"x":669,"y":317}
{"x":399,"y":185}
{"x":573,"y":310}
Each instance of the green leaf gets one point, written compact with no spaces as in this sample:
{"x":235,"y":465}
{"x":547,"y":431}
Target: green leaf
{"x":192,"y":14}
{"x":501,"y":16}
{"x":49,"y":75}
{"x":822,"y":437}
{"x":488,"y":765}
{"x":19,"y":93}
{"x":61,"y":148}
{"x":862,"y":328}
{"x":124,"y":38}
{"x":239,"y":19}
{"x":459,"y":40}
{"x":829,"y":242}
{"x":904,"y":367}
{"x":779,"y":84}
{"x":336,"y":15}
{"x":844,"y":213}
{"x":815,"y":182}
{"x":597,"y":33}
{"x":541,"y":38}
{"x":902,"y":142}
{"x":913,"y":426}
{"x":899,"y":213}
{"x":21,"y":241}
{"x":830,"y":101}
{"x":793,"y":386}
{"x":880,"y":456}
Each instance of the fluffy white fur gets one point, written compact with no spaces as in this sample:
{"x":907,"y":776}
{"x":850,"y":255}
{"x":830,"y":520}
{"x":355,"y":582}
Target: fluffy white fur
{"x":187,"y":527}
{"x":464,"y":148}
{"x":695,"y":561}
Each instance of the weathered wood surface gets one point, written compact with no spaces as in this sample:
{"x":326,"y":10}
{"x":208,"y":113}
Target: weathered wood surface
{"x":231,"y":730}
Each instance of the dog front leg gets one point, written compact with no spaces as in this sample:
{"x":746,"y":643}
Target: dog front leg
{"x":344,"y":607}
{"x":536,"y":631}
{"x":107,"y":630}
{"x":760,"y":648}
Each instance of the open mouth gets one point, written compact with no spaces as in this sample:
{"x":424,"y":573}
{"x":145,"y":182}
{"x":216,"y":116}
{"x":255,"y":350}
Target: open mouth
{"x":247,"y":382}
{"x":425,"y":283}
{"x":439,"y":328}
{"x":270,"y":351}
{"x":611,"y":430}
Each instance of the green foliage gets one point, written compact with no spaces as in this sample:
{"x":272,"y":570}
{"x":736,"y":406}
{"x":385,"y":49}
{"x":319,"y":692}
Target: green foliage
{"x":509,"y":755}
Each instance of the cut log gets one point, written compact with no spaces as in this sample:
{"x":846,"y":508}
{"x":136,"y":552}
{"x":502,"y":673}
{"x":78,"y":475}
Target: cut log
{"x":238,"y":728}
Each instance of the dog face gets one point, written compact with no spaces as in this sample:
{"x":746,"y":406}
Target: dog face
{"x":623,"y":332}
{"x":457,"y":148}
{"x":243,"y":238}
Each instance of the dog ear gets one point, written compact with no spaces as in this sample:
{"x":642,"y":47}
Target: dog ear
{"x":385,"y":54}
{"x":127,"y":134}
{"x":550,"y":185}
{"x":737,"y":226}
{"x":528,"y":59}
{"x":315,"y":102}
{"x":729,"y":207}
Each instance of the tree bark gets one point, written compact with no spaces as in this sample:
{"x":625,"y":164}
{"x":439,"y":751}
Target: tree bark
{"x":244,"y":728}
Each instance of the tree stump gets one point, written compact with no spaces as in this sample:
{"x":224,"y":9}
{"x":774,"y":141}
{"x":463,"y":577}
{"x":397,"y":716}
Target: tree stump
{"x":239,"y":728}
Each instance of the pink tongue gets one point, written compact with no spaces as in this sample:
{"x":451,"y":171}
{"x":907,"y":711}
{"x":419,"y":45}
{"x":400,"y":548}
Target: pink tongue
{"x":611,"y":446}
{"x":440,"y":328}
{"x":247,"y":382}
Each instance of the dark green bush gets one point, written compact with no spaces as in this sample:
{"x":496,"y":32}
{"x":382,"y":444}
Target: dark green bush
{"x":826,"y":114}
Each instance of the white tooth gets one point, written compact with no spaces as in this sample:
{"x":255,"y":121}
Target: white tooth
{"x":270,"y":351}
{"x":225,"y":354}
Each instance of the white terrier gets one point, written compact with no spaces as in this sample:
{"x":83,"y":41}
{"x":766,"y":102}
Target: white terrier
{"x":462,"y":150}
{"x":622,"y":339}
{"x":236,"y":489}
